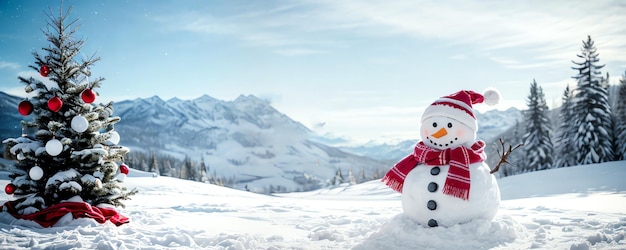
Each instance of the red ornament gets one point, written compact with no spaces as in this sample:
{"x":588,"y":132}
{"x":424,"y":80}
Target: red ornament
{"x":124,"y":169}
{"x":88,"y":95}
{"x":10,"y":188}
{"x":44,"y":70}
{"x":25,"y":108}
{"x":55,"y":104}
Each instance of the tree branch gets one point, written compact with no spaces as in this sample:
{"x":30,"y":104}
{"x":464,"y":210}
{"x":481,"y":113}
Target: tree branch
{"x":505,"y":154}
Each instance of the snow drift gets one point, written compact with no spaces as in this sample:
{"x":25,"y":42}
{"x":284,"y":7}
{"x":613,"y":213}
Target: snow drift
{"x":581,"y":207}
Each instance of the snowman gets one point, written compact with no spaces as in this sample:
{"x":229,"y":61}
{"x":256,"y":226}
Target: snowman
{"x":445,"y":181}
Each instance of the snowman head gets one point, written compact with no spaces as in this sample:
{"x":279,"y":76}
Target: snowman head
{"x":441,"y":132}
{"x":449,"y":122}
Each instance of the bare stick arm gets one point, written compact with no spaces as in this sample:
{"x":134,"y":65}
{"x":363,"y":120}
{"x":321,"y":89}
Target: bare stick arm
{"x":505,"y":154}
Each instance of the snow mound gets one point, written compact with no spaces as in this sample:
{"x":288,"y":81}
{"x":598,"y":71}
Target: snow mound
{"x":403,"y":233}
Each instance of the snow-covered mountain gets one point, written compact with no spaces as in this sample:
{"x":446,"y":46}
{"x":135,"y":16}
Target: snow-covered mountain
{"x":384,"y":151}
{"x":493,"y":122}
{"x":245,"y":139}
{"x":490,"y":125}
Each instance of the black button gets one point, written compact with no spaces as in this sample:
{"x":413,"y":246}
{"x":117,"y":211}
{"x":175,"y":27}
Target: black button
{"x":435,"y":170}
{"x":432,"y":205}
{"x":432,"y":187}
{"x":432,"y":223}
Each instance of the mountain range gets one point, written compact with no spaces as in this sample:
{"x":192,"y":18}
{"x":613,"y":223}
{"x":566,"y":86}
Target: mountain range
{"x":248,"y":140}
{"x":245,"y":139}
{"x":490,"y":125}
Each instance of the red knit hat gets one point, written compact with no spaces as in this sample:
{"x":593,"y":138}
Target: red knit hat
{"x":458,"y":106}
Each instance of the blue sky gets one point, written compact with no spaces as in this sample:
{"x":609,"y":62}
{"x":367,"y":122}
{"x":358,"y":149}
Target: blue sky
{"x":364,"y":69}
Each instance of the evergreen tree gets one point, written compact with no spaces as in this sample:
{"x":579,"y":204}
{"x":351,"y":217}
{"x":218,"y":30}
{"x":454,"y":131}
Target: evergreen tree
{"x":620,"y":120}
{"x":351,"y":178}
{"x":68,"y":151}
{"x":591,"y":110}
{"x":144,"y":166}
{"x":566,"y":153}
{"x":537,"y":143}
{"x":202,"y":172}
{"x":338,"y":178}
{"x":362,"y":177}
{"x":189,"y":170}
{"x":154,"y":164}
{"x":166,"y":168}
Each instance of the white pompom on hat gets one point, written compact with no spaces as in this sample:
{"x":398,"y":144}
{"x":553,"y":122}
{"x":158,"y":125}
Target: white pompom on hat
{"x":458,"y":106}
{"x":491,"y":96}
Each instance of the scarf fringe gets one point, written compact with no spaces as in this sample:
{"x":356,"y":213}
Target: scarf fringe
{"x":393,"y":183}
{"x":457,"y":192}
{"x":458,"y":179}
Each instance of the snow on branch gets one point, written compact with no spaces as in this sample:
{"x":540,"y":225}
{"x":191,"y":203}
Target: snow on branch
{"x":91,"y":152}
{"x":62,"y":176}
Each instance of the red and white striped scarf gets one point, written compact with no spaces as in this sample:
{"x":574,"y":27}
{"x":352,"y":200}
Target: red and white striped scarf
{"x":458,"y":180}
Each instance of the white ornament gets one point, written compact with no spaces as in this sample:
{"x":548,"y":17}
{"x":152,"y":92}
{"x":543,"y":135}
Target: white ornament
{"x":80,"y":123}
{"x":54,"y":147}
{"x":20,"y":157}
{"x":35,"y":173}
{"x":114,"y":139}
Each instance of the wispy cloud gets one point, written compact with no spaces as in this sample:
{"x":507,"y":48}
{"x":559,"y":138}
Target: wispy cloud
{"x":493,"y":25}
{"x":547,"y":30}
{"x":298,"y":52}
{"x":9,"y":65}
{"x":517,"y":64}
{"x":279,"y":28}
{"x":459,"y":57}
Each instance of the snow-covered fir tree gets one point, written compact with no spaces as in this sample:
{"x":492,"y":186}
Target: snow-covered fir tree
{"x":537,"y":143}
{"x":154,"y":164}
{"x":203,"y":175}
{"x":338,"y":178}
{"x":620,"y":120}
{"x":166,"y":168}
{"x":68,"y":150}
{"x":189,"y":170}
{"x":591,"y":110}
{"x":351,"y":178}
{"x":565,"y":142}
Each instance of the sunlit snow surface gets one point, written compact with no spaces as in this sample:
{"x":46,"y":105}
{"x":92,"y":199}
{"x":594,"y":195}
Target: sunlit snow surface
{"x":572,"y":208}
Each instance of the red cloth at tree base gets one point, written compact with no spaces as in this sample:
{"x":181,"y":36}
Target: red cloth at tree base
{"x":51,"y":215}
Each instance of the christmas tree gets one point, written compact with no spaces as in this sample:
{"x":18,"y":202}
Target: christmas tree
{"x":67,"y":158}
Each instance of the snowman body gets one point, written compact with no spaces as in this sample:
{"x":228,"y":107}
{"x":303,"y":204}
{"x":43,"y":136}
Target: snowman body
{"x":424,"y":202}
{"x":423,"y":199}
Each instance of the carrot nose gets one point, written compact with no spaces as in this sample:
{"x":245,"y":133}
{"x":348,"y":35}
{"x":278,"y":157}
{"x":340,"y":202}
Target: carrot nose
{"x":440,"y":133}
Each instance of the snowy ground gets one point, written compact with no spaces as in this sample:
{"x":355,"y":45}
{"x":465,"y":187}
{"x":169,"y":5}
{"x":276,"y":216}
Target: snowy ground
{"x":573,"y":208}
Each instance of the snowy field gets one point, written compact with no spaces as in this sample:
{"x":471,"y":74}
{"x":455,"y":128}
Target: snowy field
{"x":572,"y":208}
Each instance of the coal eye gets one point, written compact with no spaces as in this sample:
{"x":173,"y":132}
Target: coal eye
{"x":449,"y":124}
{"x":434,"y":124}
